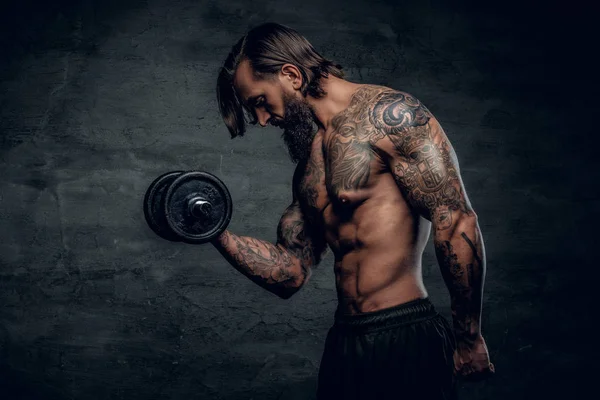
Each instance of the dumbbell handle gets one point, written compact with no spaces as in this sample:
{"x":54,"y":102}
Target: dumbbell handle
{"x":199,"y":207}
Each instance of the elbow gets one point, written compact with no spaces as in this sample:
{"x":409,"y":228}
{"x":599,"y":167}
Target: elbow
{"x":467,"y":221}
{"x":297,"y":283}
{"x":460,"y":222}
{"x":466,"y":224}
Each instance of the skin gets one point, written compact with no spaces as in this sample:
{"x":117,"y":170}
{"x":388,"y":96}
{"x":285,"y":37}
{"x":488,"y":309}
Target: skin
{"x":380,"y":176}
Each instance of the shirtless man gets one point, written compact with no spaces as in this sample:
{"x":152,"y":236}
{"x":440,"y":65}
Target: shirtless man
{"x":374,"y":172}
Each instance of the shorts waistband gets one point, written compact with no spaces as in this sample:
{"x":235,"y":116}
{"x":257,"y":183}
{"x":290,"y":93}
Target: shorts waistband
{"x":405,"y":313}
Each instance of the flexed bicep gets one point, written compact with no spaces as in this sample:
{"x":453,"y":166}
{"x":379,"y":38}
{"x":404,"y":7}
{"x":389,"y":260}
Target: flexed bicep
{"x":295,"y":234}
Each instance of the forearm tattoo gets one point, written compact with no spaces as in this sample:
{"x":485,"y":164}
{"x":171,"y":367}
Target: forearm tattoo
{"x":462,"y":272}
{"x":266,"y":264}
{"x":281,"y":267}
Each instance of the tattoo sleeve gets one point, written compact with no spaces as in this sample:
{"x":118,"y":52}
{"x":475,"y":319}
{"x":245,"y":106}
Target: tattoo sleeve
{"x":281,"y":268}
{"x":425,"y":167}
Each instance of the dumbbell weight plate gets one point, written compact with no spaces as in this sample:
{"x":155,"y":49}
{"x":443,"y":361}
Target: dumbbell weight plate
{"x":154,"y":209}
{"x":210,"y":217}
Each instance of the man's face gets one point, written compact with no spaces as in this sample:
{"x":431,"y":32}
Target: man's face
{"x":277,"y":103}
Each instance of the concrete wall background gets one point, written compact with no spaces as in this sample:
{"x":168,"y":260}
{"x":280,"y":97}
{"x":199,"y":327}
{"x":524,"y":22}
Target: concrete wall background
{"x":99,"y":98}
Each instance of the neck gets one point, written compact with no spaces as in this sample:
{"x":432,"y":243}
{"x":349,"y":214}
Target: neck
{"x":339,"y":93}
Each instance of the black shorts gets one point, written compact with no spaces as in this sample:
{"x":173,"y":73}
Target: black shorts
{"x":403,"y":352}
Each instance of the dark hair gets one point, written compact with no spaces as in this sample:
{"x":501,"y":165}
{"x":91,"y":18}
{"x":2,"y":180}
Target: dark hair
{"x":268,"y":47}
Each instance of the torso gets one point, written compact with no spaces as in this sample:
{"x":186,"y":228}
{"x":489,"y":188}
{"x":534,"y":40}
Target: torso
{"x":348,"y":191}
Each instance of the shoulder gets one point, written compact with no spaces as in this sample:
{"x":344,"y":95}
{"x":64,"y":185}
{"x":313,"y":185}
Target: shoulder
{"x":397,"y":121}
{"x":388,"y":110}
{"x":394,"y":111}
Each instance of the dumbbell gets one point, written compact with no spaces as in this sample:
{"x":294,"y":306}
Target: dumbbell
{"x":192,"y":207}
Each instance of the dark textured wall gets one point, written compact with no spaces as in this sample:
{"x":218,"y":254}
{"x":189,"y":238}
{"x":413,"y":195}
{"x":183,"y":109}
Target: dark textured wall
{"x":99,"y":98}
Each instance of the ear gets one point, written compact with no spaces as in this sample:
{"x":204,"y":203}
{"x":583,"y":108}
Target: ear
{"x":290,"y":75}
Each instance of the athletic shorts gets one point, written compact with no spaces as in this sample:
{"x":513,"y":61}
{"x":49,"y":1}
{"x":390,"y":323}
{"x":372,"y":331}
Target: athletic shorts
{"x":402,"y":352}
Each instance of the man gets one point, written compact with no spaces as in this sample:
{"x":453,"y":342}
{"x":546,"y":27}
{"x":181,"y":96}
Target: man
{"x":374,"y":172}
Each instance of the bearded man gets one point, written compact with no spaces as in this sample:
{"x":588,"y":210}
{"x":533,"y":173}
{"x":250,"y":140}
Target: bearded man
{"x":375,"y":175}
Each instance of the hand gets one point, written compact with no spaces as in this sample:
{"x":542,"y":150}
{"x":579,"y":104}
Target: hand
{"x":472,"y":360}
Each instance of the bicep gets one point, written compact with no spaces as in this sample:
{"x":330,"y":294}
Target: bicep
{"x":422,"y":161}
{"x":295,"y":234}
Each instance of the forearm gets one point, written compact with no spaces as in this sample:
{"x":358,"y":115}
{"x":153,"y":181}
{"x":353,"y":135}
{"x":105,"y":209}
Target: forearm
{"x":461,"y":254}
{"x":269,"y":265}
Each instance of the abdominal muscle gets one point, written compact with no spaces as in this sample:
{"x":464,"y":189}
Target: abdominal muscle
{"x":378,"y":252}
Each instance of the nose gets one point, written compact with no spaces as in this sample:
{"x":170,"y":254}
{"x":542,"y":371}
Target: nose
{"x":263,"y":117}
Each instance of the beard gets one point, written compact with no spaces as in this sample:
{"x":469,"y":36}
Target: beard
{"x":298,"y":128}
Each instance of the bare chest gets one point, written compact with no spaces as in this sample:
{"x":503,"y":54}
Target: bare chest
{"x":338,"y":177}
